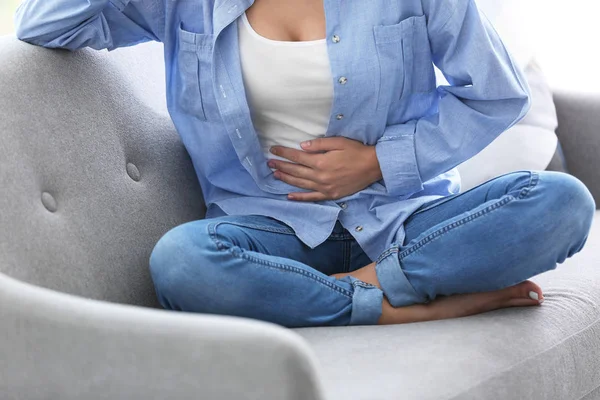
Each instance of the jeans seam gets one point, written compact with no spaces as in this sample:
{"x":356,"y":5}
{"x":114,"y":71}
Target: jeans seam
{"x":533,"y":180}
{"x":212,"y":232}
{"x":239,"y":253}
{"x":392,"y":249}
{"x":453,"y":225}
{"x":437,"y":202}
{"x":244,"y":255}
{"x":346,"y":256}
{"x":287,"y":231}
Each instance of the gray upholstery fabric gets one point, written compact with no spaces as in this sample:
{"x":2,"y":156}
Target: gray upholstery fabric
{"x":558,"y":162}
{"x":547,"y":352}
{"x":92,"y":173}
{"x":579,"y":134}
{"x":70,"y":123}
{"x":60,"y":347}
{"x":593,"y":395}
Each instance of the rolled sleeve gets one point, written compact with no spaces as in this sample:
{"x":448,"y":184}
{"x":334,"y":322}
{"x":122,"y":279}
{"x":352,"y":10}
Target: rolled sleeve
{"x":397,"y":159}
{"x":99,"y":24}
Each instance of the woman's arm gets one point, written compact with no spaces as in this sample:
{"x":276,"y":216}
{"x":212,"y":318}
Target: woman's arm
{"x":487,"y":94}
{"x":99,"y":24}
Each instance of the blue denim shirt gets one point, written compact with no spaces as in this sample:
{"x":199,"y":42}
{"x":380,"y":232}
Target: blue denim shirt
{"x":381,"y":54}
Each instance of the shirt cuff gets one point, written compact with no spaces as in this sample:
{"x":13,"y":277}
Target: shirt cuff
{"x":397,"y":159}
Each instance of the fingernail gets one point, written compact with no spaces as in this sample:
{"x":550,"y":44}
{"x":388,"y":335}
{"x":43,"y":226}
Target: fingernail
{"x":291,"y":197}
{"x":271,"y":164}
{"x":305,"y":144}
{"x":534,"y":295}
{"x":273,"y":150}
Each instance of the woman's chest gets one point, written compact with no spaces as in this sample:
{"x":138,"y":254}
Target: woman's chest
{"x":288,"y":20}
{"x":379,"y":57}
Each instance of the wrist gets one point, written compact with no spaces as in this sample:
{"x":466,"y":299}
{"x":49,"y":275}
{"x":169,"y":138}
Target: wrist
{"x":375,"y":173}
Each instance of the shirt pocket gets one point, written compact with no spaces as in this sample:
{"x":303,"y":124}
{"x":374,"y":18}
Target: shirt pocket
{"x":194,"y":60}
{"x":404,"y":58}
{"x":418,"y":63}
{"x":390,"y":55}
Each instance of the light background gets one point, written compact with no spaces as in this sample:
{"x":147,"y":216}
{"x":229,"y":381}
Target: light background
{"x":563,"y":34}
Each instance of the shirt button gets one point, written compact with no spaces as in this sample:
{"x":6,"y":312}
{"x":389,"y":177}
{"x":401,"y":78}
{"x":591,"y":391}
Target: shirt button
{"x":339,"y":116}
{"x":358,"y":228}
{"x":343,"y":205}
{"x":335,"y":38}
{"x":343,"y":80}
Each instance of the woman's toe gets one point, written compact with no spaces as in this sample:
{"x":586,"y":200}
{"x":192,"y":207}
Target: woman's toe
{"x":525,"y":293}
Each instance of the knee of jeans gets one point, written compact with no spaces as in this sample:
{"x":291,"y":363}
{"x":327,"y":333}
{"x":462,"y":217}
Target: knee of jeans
{"x":571,"y":192}
{"x":573,"y":199}
{"x":172,"y":260}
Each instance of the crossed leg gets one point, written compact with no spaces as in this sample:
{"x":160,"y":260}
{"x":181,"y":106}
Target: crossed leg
{"x":473,"y":252}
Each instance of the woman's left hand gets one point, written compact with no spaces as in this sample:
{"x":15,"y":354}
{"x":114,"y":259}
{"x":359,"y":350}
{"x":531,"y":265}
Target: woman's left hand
{"x":332,"y":168}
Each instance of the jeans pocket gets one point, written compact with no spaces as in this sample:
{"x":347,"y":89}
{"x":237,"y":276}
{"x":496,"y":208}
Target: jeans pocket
{"x":257,"y":222}
{"x":442,"y":200}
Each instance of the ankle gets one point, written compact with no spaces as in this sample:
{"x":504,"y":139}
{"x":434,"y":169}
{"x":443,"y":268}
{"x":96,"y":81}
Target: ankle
{"x":367,"y":274}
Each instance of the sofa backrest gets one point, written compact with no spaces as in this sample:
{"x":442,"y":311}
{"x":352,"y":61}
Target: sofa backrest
{"x":92,"y":170}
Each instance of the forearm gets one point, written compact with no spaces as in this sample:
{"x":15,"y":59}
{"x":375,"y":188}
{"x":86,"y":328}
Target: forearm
{"x":373,"y":170}
{"x":99,"y":24}
{"x":43,"y":22}
{"x":487,"y":94}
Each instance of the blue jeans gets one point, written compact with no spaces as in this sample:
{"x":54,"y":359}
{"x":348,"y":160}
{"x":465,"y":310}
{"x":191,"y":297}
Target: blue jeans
{"x":492,"y":236}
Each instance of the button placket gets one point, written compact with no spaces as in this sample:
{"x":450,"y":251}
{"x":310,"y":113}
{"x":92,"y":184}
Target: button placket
{"x":342,"y":80}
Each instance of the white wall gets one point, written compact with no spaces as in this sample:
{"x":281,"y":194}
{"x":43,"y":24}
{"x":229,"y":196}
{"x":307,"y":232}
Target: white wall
{"x":562,"y":35}
{"x":569,"y":48}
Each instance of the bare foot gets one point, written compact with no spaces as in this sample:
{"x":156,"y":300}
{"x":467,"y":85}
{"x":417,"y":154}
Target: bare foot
{"x":462,"y":305}
{"x":455,"y":306}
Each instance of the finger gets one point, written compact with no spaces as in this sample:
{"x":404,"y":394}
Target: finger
{"x":297,"y":156}
{"x":324,"y":144}
{"x":298,"y":182}
{"x":296,"y":170}
{"x":311,"y":196}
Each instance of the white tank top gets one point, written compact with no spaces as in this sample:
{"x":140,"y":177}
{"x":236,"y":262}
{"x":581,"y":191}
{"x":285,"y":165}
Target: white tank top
{"x":289,"y":87}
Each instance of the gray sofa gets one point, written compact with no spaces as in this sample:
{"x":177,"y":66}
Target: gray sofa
{"x":92,"y":173}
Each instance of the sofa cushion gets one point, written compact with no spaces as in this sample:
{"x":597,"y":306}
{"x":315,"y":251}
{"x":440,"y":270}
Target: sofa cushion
{"x":544,"y":352}
{"x":92,"y":170}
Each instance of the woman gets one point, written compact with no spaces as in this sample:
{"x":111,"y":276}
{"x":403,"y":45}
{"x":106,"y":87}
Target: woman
{"x":327,"y":157}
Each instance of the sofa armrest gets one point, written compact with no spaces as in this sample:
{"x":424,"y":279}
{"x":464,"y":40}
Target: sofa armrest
{"x":60,"y":346}
{"x":579,"y":135}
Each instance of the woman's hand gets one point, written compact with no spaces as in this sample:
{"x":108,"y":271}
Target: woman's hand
{"x":332,"y":168}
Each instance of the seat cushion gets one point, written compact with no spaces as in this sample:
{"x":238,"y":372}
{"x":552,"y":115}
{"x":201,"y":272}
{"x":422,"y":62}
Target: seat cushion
{"x":550,"y":351}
